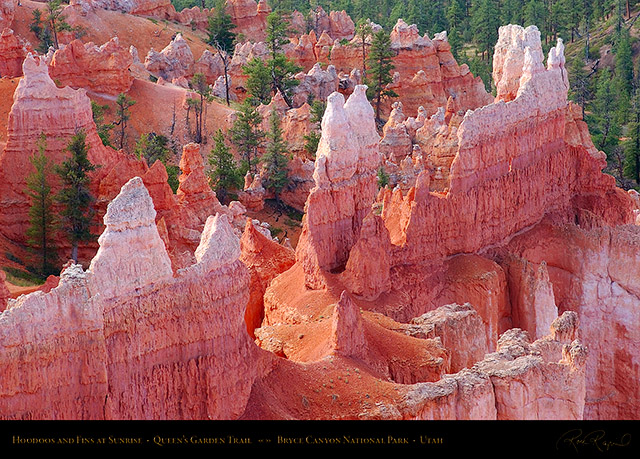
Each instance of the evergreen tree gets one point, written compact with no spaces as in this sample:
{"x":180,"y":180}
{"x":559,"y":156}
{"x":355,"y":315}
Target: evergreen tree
{"x":605,"y":127}
{"x":275,"y":159}
{"x":222,"y":39}
{"x":56,"y":20}
{"x":123,"y":114}
{"x":41,"y":31}
{"x":380,"y":70}
{"x":535,"y":13}
{"x":258,"y":81}
{"x":224,"y":174}
{"x":485,"y":23}
{"x":220,"y":28}
{"x":75,"y":197}
{"x":559,"y":19}
{"x":363,"y":31}
{"x":631,"y":168}
{"x":247,"y":136}
{"x":579,"y":83}
{"x":512,"y":12}
{"x":632,"y":150}
{"x":104,"y":129}
{"x":277,"y":73}
{"x":152,"y":147}
{"x":435,"y":17}
{"x":624,"y":64}
{"x":199,"y":84}
{"x":383,"y":178}
{"x":281,"y":69}
{"x":42,"y":222}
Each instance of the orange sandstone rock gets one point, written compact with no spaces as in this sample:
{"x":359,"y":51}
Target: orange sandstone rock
{"x":265,"y":259}
{"x":12,"y":54}
{"x":103,"y":70}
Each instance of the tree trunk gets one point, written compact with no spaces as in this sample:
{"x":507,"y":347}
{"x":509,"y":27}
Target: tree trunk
{"x":226,"y":84}
{"x":74,"y":252}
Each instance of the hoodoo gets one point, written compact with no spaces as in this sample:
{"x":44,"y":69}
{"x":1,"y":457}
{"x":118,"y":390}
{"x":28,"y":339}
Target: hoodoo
{"x":465,"y":257}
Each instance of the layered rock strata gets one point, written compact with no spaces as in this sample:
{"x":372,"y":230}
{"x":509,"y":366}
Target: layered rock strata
{"x":39,"y":107}
{"x":132,"y":342}
{"x":102,"y":70}
{"x":173,"y":62}
{"x":12,"y":54}
{"x":345,"y":185}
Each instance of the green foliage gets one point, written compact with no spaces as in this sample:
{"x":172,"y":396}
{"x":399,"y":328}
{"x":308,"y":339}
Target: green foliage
{"x":579,"y":88}
{"x":482,"y":69}
{"x":383,"y":178}
{"x":75,"y":196}
{"x":275,"y":74}
{"x":485,"y":21}
{"x":55,"y":20}
{"x":220,"y":28}
{"x":22,"y":278}
{"x":42,"y":221}
{"x":605,"y":129}
{"x":41,"y":31}
{"x":199,"y":84}
{"x":258,"y":81}
{"x":363,"y":32}
{"x":246,"y":134}
{"x":380,"y":72}
{"x":123,"y":114}
{"x":104,"y":129}
{"x":152,"y":147}
{"x":311,"y":142}
{"x":173,"y":172}
{"x":275,"y":159}
{"x":224,"y":174}
{"x":317,"y":110}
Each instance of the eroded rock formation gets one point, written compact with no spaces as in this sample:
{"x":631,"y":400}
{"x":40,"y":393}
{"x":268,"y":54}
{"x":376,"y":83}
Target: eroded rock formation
{"x":126,"y":336}
{"x":345,"y":185}
{"x":103,"y":70}
{"x":12,"y":54}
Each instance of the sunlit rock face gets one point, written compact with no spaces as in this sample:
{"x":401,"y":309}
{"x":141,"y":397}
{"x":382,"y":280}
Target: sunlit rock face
{"x":345,"y":185}
{"x":103,"y":69}
{"x":129,"y":331}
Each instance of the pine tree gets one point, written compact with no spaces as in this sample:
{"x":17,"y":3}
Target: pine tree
{"x":247,"y":136}
{"x":604,"y":125}
{"x":55,"y":20}
{"x":220,"y":28}
{"x":225,"y":174}
{"x":312,"y":139}
{"x":75,"y":197}
{"x":535,"y":13}
{"x":632,"y":150}
{"x":632,"y":145}
{"x":123,"y":114}
{"x":42,"y":222}
{"x":380,"y":70}
{"x":222,"y":39}
{"x":104,"y":129}
{"x":199,"y":84}
{"x":152,"y":147}
{"x":258,"y":81}
{"x":455,"y":14}
{"x":282,"y":70}
{"x":363,"y":31}
{"x":275,"y":159}
{"x":485,"y":23}
{"x":579,"y":83}
{"x":41,"y":31}
{"x":277,"y":73}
